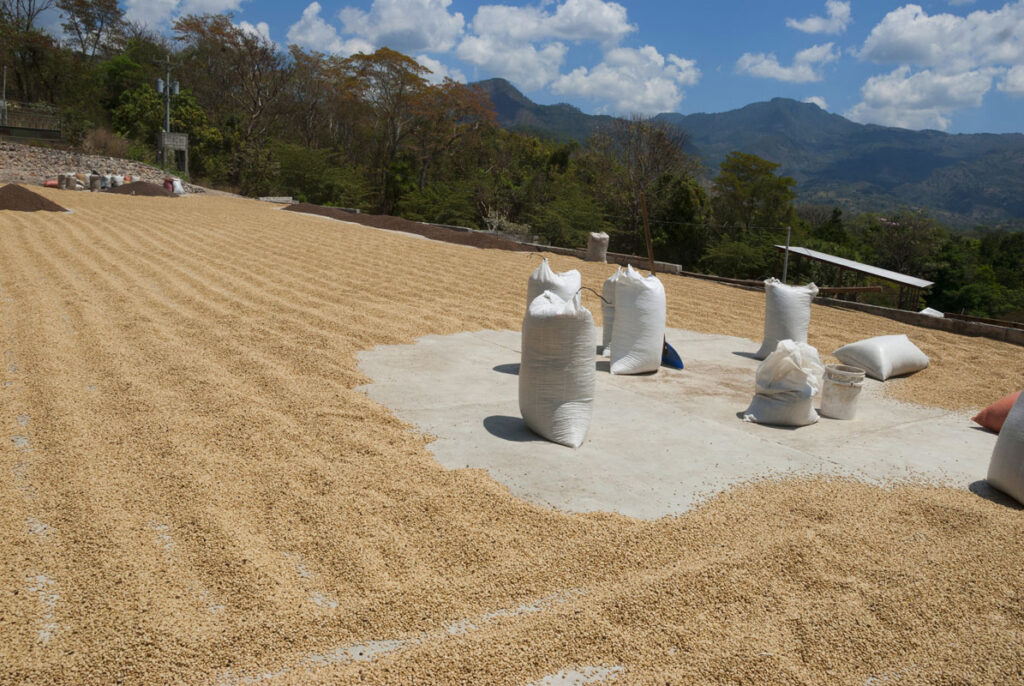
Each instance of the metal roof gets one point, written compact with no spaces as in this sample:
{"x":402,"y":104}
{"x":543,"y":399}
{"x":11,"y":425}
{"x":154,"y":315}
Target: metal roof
{"x":860,"y":267}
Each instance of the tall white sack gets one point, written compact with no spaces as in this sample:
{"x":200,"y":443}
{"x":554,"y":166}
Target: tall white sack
{"x":565,"y":285}
{"x":787,"y":314}
{"x":557,"y":371}
{"x":638,"y":332}
{"x":1006,"y":468}
{"x":608,"y":310}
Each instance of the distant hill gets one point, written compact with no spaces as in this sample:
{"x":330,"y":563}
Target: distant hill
{"x":961,"y":179}
{"x":561,"y":122}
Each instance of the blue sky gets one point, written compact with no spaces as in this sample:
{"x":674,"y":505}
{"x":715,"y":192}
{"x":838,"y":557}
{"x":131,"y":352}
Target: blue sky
{"x":953,"y":65}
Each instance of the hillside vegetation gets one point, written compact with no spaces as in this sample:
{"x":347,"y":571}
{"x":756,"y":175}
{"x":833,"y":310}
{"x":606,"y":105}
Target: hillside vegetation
{"x":373,"y":132}
{"x":963,"y":180}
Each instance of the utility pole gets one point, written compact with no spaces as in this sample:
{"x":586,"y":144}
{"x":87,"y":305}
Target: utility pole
{"x":3,"y":101}
{"x":167,"y":98}
{"x":165,"y":87}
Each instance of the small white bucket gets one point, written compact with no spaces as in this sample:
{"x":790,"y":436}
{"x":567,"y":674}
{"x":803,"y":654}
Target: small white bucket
{"x":840,"y":390}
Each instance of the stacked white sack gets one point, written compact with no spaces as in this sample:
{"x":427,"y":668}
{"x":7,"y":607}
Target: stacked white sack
{"x":787,"y":382}
{"x":557,"y":371}
{"x":884,"y":356}
{"x":564,"y":285}
{"x":787,"y":314}
{"x":608,"y":310}
{"x":1006,"y":469}
{"x":638,"y":332}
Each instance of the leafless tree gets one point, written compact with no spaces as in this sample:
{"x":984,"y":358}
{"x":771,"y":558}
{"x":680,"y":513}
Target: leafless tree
{"x":22,"y":14}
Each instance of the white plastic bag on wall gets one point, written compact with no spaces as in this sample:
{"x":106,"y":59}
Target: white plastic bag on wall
{"x":608,"y":310}
{"x":564,"y":285}
{"x":884,"y":356}
{"x":638,"y":332}
{"x":786,"y":384}
{"x":787,"y":314}
{"x":557,"y":371}
{"x":1006,"y":469}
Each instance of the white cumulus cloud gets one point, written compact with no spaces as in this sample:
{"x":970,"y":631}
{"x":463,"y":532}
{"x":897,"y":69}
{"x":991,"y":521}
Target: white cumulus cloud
{"x":944,"y":62}
{"x":909,"y":35}
{"x":407,"y":26}
{"x":817,"y":100}
{"x":925,"y":99}
{"x":159,"y":13}
{"x":1013,"y":81}
{"x":633,"y":80}
{"x":152,"y":13}
{"x":836,"y":22}
{"x":524,"y":64}
{"x":572,"y":20}
{"x":209,"y":6}
{"x":438,"y":71}
{"x":806,"y":65}
{"x":313,"y":33}
{"x":261,"y":29}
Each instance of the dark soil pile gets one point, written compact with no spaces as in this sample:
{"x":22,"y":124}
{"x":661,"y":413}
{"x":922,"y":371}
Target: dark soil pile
{"x":18,"y":199}
{"x":437,"y":233}
{"x":142,"y":188}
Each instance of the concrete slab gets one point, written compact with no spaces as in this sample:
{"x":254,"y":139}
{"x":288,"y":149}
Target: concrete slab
{"x":658,"y":443}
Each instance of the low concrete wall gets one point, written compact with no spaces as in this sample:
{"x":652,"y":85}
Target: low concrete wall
{"x":614,"y":258}
{"x":958,"y":326}
{"x":18,"y":134}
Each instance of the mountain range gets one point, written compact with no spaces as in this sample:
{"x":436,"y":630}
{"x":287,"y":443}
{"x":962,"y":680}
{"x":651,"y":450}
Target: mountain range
{"x":962,"y":180}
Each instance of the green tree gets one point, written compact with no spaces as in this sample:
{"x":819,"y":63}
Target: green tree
{"x":140,"y":115}
{"x":748,"y":194}
{"x":93,"y":25}
{"x":905,"y":242}
{"x":390,"y":84}
{"x":679,"y":222}
{"x":630,"y":164}
{"x":240,"y":79}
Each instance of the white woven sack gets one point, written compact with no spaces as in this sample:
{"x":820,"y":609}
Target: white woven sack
{"x":786,"y":384}
{"x":597,"y":247}
{"x":1006,"y":469}
{"x":557,"y":371}
{"x":565,"y":284}
{"x":883,"y":356}
{"x":608,"y":310}
{"x":787,"y":314}
{"x":638,"y":332}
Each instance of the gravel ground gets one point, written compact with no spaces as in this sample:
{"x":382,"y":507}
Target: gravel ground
{"x":193,"y":492}
{"x":31,"y":165}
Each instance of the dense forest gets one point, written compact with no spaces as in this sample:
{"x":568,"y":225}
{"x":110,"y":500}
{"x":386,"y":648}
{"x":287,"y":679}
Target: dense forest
{"x":376,"y":132}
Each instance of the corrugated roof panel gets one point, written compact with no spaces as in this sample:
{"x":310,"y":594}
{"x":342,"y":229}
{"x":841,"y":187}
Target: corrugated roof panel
{"x":860,"y":267}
